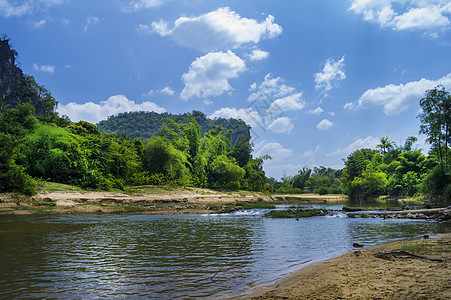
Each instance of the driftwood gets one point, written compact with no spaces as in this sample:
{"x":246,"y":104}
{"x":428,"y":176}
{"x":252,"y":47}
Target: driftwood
{"x":404,"y":254}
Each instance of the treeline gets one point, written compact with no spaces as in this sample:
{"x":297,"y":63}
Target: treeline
{"x":146,"y":124}
{"x":390,"y":170}
{"x":80,"y":154}
{"x":320,"y":180}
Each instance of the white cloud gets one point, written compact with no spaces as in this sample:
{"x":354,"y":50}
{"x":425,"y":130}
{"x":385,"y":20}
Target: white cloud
{"x":349,"y":105}
{"x":249,"y":116}
{"x":421,"y":18}
{"x":167,"y":90}
{"x":161,"y":27}
{"x":95,"y":112}
{"x":141,"y":4}
{"x":428,"y":16}
{"x":270,"y":87}
{"x":258,"y":54}
{"x":332,"y":71}
{"x":288,"y":103}
{"x":216,"y":30}
{"x":273,"y":149}
{"x":90,"y":21}
{"x":324,"y":124}
{"x":316,"y":111}
{"x":39,"y":24}
{"x":44,"y":68}
{"x":281,"y":125}
{"x":208,"y":76}
{"x":398,"y":98}
{"x":13,"y":9}
{"x":207,"y":102}
{"x":361,"y":143}
{"x":311,"y":153}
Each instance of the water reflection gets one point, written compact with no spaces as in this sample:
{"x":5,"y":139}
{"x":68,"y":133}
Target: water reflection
{"x":189,"y":256}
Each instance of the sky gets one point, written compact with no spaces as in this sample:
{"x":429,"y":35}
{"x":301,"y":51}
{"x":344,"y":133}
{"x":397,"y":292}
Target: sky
{"x":316,"y":80}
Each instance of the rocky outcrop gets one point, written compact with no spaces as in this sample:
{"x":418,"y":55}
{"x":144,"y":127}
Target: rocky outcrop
{"x":439,"y":214}
{"x":11,"y":76}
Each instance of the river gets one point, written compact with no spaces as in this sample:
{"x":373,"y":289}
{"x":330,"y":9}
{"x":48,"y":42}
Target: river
{"x":174,"y":256}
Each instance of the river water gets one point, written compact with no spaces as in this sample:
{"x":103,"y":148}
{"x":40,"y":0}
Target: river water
{"x":174,"y":256}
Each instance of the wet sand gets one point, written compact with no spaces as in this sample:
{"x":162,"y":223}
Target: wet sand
{"x":362,"y":275}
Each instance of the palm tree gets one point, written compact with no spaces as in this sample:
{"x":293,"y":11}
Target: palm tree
{"x":385,"y":144}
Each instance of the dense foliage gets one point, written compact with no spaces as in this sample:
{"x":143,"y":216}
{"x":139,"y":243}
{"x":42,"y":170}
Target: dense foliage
{"x":146,"y":125}
{"x":390,"y":170}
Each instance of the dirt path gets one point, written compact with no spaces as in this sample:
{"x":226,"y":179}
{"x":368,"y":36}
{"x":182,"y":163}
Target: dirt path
{"x":362,"y":275}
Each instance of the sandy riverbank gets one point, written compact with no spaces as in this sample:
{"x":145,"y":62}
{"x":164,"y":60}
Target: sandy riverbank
{"x":362,"y":275}
{"x":146,"y":200}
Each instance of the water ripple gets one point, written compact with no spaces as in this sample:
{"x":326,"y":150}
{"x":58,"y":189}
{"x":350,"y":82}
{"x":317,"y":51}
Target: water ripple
{"x":184,"y":257}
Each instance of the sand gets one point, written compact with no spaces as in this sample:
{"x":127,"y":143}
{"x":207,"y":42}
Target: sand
{"x":362,"y":275}
{"x":177,"y":200}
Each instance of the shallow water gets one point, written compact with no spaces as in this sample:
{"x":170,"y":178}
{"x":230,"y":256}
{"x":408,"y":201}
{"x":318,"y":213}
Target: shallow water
{"x":174,"y":256}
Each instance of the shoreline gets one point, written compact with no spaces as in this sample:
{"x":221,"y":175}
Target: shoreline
{"x":360,"y":274}
{"x":146,"y":200}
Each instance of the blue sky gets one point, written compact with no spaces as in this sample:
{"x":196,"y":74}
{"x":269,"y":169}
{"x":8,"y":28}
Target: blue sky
{"x":315,"y":79}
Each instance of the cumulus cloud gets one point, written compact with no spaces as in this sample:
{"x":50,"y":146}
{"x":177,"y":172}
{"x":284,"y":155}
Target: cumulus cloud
{"x":288,"y":103}
{"x":270,"y":110}
{"x":95,"y":112}
{"x":281,"y":125}
{"x":248,"y":115}
{"x":216,"y":30}
{"x":273,"y":149}
{"x":141,"y":4}
{"x":316,"y":111}
{"x":208,"y":76}
{"x":166,"y":90}
{"x":258,"y":54}
{"x":324,"y":124}
{"x":44,"y":68}
{"x":270,"y":87}
{"x":368,"y":142}
{"x":398,"y":98}
{"x":332,"y":72}
{"x":429,"y":16}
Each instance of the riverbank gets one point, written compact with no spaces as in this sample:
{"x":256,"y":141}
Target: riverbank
{"x":373,"y":273}
{"x":147,"y":200}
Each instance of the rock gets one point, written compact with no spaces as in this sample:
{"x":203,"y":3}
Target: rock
{"x":357,"y":245}
{"x":426,"y":236}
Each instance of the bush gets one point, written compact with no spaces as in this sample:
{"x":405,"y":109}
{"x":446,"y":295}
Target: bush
{"x":322,"y":190}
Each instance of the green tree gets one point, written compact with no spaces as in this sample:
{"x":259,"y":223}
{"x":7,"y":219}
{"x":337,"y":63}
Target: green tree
{"x":160,"y":156}
{"x":436,"y":125}
{"x":436,"y":122}
{"x":15,"y":124}
{"x":242,"y":150}
{"x":384,"y":145}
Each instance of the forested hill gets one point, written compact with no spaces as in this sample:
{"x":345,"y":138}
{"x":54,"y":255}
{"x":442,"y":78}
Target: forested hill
{"x":17,"y":87}
{"x":146,"y":125}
